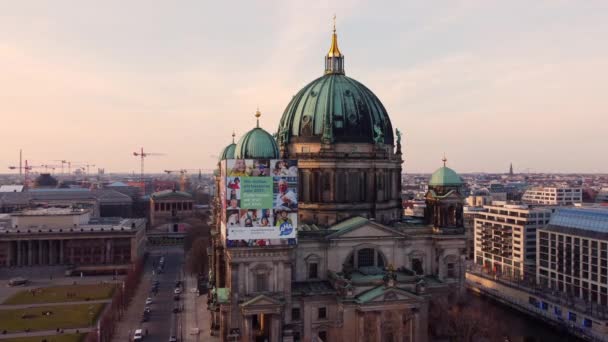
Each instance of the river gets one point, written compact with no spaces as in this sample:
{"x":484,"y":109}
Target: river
{"x":520,"y":327}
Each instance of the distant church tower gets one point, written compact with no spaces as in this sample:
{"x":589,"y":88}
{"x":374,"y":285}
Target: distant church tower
{"x":511,"y":170}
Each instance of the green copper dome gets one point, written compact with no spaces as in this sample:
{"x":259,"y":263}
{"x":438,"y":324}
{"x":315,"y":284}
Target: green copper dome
{"x":228,"y":152}
{"x":444,"y":176}
{"x":335,"y":108}
{"x":256,"y":143}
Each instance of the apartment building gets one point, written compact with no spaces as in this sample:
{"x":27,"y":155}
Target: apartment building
{"x":573,"y":254}
{"x":505,"y":238}
{"x":553,"y":196}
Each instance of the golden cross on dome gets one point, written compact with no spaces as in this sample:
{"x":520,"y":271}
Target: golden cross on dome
{"x":257,"y":115}
{"x":334,"y":23}
{"x":233,"y":135}
{"x":444,"y":160}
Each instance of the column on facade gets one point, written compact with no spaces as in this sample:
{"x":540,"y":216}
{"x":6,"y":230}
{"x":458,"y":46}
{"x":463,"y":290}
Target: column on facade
{"x":103,"y":251}
{"x":361,"y":326}
{"x":286,"y":282}
{"x":378,"y":325}
{"x":399,"y":331}
{"x":242,"y":277}
{"x":246,"y":281}
{"x":275,"y":328}
{"x":61,"y":252}
{"x":30,"y":256}
{"x":40,"y":249}
{"x":52,"y":247}
{"x":224,"y":325}
{"x":108,"y":253}
{"x":19,"y":260}
{"x":234,"y":294}
{"x":71,"y":248}
{"x":9,"y":257}
{"x":247,"y":333}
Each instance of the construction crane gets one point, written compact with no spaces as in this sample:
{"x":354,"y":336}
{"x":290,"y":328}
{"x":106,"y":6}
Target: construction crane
{"x":27,"y":168}
{"x":63,"y":162}
{"x":182,"y":178}
{"x":143,"y":155}
{"x":83,"y":166}
{"x":183,"y":173}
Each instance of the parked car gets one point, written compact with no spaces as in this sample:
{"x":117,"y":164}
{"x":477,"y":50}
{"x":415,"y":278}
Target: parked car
{"x":176,"y":297}
{"x":138,"y":335}
{"x":145,"y":318}
{"x":148,"y":301}
{"x":147,"y":310}
{"x":172,"y":339}
{"x":177,"y":290}
{"x":178,"y":283}
{"x":176,"y":309}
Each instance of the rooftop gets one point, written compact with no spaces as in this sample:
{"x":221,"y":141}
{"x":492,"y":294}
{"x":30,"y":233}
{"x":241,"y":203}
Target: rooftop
{"x":108,"y":225}
{"x":584,"y":219}
{"x":51,"y":212}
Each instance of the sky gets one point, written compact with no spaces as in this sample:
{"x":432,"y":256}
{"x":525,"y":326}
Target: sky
{"x":488,"y":83}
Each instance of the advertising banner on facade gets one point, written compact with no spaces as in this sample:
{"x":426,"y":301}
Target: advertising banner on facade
{"x":259,"y":202}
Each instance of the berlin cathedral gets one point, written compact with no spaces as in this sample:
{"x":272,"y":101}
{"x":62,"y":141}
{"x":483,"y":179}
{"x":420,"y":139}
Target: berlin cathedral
{"x":359,"y":271}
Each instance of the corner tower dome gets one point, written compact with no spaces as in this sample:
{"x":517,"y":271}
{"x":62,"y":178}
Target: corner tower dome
{"x":444,"y":176}
{"x":256,"y":143}
{"x":335,"y":108}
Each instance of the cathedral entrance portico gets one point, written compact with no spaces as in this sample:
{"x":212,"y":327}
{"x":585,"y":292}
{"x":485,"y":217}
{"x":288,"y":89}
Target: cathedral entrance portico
{"x":261,"y":320}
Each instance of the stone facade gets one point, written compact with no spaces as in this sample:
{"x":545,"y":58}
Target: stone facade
{"x":169,"y":207}
{"x":68,"y":240}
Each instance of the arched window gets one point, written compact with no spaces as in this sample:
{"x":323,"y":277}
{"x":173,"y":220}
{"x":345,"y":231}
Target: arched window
{"x":365,"y":257}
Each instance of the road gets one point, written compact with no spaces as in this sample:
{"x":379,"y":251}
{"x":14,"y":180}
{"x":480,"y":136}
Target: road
{"x":163,"y":322}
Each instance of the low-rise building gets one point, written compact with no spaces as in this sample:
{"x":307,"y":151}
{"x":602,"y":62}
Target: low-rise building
{"x":573,"y":254}
{"x":100,"y":203}
{"x":505,"y":238}
{"x":170,"y":207}
{"x":59,"y":236}
{"x":553,"y":196}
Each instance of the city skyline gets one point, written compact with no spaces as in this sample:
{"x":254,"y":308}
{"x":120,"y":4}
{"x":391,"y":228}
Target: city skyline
{"x":490,"y":83}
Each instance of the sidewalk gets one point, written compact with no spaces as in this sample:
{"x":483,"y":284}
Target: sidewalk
{"x":37,"y":305}
{"x":46,"y":333}
{"x":197,"y":315}
{"x":131,"y":317}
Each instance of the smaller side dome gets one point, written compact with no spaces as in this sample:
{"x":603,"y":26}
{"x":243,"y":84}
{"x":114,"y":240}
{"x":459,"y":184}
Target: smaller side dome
{"x":228,"y":151}
{"x":257,"y":143}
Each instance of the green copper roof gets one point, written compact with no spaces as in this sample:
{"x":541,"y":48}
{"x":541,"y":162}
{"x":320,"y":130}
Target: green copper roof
{"x":335,"y":108}
{"x":228,"y":152}
{"x":445,"y":176}
{"x":223,"y":294}
{"x":256,"y":143}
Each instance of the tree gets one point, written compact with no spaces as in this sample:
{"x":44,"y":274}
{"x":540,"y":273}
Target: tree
{"x":460,"y":320}
{"x":197,"y":261}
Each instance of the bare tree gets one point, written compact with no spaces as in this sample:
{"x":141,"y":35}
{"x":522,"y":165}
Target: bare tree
{"x":197,"y":259}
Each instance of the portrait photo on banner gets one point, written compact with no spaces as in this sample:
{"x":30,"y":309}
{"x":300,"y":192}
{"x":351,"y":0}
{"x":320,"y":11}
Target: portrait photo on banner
{"x":285,"y":192}
{"x":284,"y":168}
{"x":239,"y":167}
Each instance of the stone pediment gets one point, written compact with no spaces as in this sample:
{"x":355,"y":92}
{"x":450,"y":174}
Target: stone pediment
{"x":359,"y":227}
{"x":382,"y":294}
{"x":261,"y":300}
{"x":261,"y":304}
